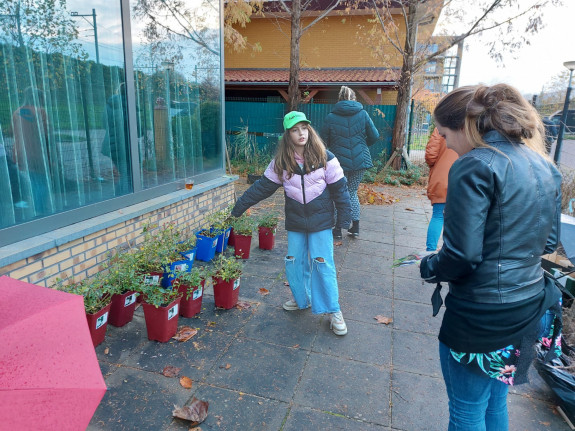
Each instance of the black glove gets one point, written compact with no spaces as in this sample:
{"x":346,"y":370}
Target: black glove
{"x":426,"y":269}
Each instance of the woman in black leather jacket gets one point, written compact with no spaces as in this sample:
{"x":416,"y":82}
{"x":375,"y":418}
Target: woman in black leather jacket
{"x":502,"y":214}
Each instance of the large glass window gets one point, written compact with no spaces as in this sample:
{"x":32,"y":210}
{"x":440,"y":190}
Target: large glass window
{"x":65,"y":136}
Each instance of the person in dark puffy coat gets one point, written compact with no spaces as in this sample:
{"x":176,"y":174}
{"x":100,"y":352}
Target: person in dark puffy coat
{"x":348,"y":132}
{"x":313,"y":183}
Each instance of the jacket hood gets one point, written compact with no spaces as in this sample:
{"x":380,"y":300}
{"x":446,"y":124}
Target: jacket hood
{"x":347,"y":107}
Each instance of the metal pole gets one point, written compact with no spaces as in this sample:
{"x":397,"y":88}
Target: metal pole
{"x":96,"y":36}
{"x":557,"y":154}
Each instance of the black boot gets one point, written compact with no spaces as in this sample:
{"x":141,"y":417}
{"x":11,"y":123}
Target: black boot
{"x":354,"y":229}
{"x":336,"y":233}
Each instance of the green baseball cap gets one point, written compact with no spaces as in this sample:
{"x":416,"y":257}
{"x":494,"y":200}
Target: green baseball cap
{"x":294,"y":117}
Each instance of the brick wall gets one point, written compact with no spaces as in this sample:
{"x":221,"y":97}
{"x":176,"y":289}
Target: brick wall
{"x":83,"y":257}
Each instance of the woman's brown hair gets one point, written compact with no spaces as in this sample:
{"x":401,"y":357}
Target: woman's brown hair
{"x":314,"y":154}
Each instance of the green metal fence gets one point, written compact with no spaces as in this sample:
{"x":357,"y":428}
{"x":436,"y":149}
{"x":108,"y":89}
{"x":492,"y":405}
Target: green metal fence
{"x":265,"y":122}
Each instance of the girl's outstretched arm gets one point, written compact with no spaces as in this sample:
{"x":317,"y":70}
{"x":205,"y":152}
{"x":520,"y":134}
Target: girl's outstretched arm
{"x":260,"y":190}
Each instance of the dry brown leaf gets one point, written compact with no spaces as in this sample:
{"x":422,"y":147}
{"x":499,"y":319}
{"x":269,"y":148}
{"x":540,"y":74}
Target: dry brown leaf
{"x":170,"y":371}
{"x":286,"y":283}
{"x":186,"y":382}
{"x":196,"y":411}
{"x":196,"y":345}
{"x":106,"y":350}
{"x":185,"y":333}
{"x":195,"y":429}
{"x":264,"y":291}
{"x":211,"y":323}
{"x":337,"y":244}
{"x":228,"y":366}
{"x":242,"y":305}
{"x":383,"y":319}
{"x":409,"y":209}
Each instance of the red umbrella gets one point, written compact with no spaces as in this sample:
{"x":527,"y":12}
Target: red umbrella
{"x":49,"y":374}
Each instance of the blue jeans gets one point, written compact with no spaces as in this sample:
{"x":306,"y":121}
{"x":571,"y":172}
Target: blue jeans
{"x":476,"y":402}
{"x":310,"y":271}
{"x":435,"y":227}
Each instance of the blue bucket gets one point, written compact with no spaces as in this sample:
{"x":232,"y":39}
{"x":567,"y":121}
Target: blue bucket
{"x":206,"y":247}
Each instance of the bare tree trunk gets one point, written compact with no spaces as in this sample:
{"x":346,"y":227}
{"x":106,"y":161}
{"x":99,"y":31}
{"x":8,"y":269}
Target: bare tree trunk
{"x":296,"y":31}
{"x":405,"y":83}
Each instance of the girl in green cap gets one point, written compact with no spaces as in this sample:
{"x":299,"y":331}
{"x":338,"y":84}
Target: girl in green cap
{"x":313,"y":184}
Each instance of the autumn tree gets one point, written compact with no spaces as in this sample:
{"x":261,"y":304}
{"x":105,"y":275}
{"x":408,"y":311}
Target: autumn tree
{"x":553,"y":93}
{"x":510,"y":23}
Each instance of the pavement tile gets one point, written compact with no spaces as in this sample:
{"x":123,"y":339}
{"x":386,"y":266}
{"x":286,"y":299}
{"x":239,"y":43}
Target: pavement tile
{"x":235,"y":411}
{"x":217,"y":319}
{"x":370,"y":283}
{"x":365,"y":262}
{"x":411,"y":316}
{"x":363,"y":343}
{"x":411,"y":289}
{"x":344,"y":387}
{"x":195,"y":357}
{"x":258,"y":368}
{"x":416,"y":353}
{"x":142,"y":401}
{"x":366,"y":246}
{"x":287,"y":328}
{"x":529,"y":414}
{"x":301,"y":418}
{"x":357,"y":305}
{"x":418,"y":402}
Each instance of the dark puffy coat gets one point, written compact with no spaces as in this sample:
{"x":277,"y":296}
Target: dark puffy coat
{"x":309,"y":198}
{"x":348,"y":131}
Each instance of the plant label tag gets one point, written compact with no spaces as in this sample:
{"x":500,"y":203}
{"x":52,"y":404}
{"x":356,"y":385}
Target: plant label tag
{"x":130,"y":299}
{"x":190,"y":256}
{"x":215,"y":243}
{"x":274,"y":231}
{"x":227,"y":234}
{"x":197,"y":293}
{"x":181,"y":267}
{"x":236,"y":283}
{"x":152,"y":280}
{"x":102,"y":320}
{"x":173,"y":312}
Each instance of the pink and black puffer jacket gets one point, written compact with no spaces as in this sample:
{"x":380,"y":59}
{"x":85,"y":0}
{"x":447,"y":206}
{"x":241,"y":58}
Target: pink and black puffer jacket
{"x":309,"y":198}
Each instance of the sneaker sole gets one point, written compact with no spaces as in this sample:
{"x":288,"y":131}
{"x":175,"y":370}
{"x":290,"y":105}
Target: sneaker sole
{"x":339,"y":331}
{"x":293,"y":308}
{"x":355,"y":235}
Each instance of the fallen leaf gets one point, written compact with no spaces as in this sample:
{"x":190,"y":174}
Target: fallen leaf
{"x":409,"y":209}
{"x":170,"y":371}
{"x":383,"y":319}
{"x":186,"y":382}
{"x":211,"y":323}
{"x":195,"y":429}
{"x":296,"y":346}
{"x":196,"y":411}
{"x":196,"y":345}
{"x":242,"y":305}
{"x":337,"y":244}
{"x":286,"y":283}
{"x":185,"y":333}
{"x":264,"y":291}
{"x":227,"y":366}
{"x":106,"y":350}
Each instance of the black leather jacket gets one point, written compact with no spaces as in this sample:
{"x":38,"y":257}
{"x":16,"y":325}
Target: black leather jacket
{"x":502,"y":213}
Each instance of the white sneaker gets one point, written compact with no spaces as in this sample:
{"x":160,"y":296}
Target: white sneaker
{"x":337,"y":324}
{"x":291,"y":305}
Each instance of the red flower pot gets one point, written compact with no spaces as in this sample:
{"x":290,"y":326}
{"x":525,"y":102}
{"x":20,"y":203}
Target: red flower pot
{"x":193,"y":305}
{"x":97,"y":323}
{"x":226,"y":293}
{"x":266,"y":236}
{"x":242,"y":244}
{"x":122,"y":308}
{"x":232,"y":238}
{"x":162,"y":322}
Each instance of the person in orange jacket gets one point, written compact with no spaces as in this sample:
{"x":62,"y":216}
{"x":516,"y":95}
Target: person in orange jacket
{"x":439,"y":158}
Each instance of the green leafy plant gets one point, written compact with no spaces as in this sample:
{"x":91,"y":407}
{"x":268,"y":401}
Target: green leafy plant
{"x":227,"y":268}
{"x":158,"y":296}
{"x":186,"y":244}
{"x":243,"y":225}
{"x":95,"y":294}
{"x":120,"y":273}
{"x":220,"y":220}
{"x":268,"y":219}
{"x":191,"y":279}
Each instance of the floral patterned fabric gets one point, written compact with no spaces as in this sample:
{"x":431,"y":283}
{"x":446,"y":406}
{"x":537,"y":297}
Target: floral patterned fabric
{"x":502,"y":364}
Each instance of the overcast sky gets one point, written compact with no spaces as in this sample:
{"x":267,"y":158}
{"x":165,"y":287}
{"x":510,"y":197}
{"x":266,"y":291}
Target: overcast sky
{"x":536,"y":64}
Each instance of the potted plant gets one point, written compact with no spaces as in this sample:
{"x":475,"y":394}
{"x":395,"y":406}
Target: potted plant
{"x":187,"y":248}
{"x":191,"y":286}
{"x":226,"y":280}
{"x":97,"y":303}
{"x":220,"y":224}
{"x":207,"y":240}
{"x":161,"y":310}
{"x":267,"y":225}
{"x":243,"y":227}
{"x":122,"y":280}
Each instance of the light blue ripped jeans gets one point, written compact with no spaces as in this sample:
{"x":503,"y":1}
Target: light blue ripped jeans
{"x":310,"y":279}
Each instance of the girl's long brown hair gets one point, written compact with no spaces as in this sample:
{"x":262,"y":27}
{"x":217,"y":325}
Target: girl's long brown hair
{"x":314,"y":154}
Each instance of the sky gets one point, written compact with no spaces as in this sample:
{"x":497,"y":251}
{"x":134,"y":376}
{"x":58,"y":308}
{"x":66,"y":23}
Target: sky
{"x":535,"y":65}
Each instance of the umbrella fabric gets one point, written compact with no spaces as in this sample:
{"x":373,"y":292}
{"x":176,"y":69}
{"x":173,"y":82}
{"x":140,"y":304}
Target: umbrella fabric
{"x":49,"y":373}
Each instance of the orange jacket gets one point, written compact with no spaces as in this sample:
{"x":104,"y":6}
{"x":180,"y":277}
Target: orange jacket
{"x":439,"y":158}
